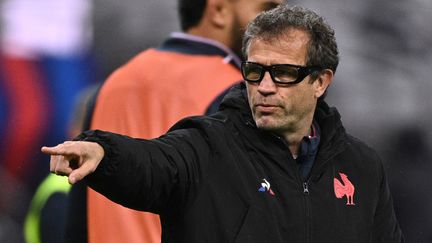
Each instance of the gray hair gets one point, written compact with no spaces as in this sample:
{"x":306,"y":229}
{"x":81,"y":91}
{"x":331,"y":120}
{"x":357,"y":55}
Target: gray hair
{"x":322,"y":47}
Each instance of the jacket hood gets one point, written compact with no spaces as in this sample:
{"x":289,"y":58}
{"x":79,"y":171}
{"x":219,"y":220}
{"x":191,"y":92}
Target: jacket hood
{"x":236,"y":99}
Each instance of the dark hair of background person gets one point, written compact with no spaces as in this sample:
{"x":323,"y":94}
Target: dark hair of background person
{"x":190,"y":12}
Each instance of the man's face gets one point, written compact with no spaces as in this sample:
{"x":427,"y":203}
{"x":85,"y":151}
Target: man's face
{"x":282,"y":108}
{"x":245,"y":11}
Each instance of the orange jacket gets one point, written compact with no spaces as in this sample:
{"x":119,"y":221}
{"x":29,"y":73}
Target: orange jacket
{"x":143,"y":99}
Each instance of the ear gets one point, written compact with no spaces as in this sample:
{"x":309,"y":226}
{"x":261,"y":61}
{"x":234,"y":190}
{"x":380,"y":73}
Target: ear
{"x":218,"y":12}
{"x":323,"y":81}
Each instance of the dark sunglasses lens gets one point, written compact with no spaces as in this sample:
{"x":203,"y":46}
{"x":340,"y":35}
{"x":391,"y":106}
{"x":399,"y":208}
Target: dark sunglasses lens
{"x":285,"y":74}
{"x":251,"y":72}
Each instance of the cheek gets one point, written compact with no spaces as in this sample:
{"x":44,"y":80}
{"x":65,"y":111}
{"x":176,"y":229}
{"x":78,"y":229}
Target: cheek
{"x":308,"y":101}
{"x":298,"y":99}
{"x":250,"y":90}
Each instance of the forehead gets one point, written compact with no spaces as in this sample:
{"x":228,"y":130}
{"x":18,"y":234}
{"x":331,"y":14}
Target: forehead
{"x":288,"y":47}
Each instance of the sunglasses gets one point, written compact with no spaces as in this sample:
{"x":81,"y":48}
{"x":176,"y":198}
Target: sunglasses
{"x":280,"y":73}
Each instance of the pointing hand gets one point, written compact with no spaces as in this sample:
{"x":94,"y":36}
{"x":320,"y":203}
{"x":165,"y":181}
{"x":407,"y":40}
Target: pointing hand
{"x":75,"y":159}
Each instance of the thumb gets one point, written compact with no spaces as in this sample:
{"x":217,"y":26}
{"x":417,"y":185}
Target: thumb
{"x":85,"y":169}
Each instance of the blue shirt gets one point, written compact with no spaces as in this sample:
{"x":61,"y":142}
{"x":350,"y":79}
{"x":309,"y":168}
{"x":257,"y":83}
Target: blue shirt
{"x":308,"y":150}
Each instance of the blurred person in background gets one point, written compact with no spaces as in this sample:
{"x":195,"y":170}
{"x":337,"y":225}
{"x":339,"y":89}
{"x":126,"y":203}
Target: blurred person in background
{"x":45,"y":61}
{"x":186,"y":75}
{"x":46,"y":217}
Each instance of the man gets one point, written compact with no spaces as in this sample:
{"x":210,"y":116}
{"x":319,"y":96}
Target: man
{"x":274,"y":164}
{"x":160,"y":86}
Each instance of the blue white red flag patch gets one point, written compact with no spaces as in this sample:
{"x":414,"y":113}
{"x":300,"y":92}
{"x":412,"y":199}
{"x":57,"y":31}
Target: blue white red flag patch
{"x":265,"y":187}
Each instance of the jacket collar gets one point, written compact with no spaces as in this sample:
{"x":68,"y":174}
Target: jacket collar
{"x":196,"y":45}
{"x":332,"y":133}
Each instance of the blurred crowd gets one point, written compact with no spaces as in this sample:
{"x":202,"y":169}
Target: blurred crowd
{"x":53,"y":50}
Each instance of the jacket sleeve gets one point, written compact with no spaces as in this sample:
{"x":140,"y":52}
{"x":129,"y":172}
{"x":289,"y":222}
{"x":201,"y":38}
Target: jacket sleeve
{"x":157,"y":176}
{"x":386,"y":227}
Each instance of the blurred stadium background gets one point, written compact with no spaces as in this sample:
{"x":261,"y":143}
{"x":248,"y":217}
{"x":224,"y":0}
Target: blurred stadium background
{"x":53,"y":49}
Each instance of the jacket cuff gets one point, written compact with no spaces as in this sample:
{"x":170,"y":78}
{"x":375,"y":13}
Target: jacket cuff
{"x":109,"y":163}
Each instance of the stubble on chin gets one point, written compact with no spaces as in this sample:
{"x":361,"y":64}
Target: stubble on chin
{"x":264,"y":122}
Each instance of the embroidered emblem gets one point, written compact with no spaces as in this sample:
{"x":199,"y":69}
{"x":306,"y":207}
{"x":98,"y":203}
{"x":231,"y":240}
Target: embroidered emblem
{"x":344,"y":188}
{"x":265,"y":186}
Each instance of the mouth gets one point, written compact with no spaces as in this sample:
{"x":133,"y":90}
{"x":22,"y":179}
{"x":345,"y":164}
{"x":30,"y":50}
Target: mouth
{"x":266,"y":108}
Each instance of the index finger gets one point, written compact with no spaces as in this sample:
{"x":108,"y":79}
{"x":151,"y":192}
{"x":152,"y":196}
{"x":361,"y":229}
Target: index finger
{"x":60,"y":149}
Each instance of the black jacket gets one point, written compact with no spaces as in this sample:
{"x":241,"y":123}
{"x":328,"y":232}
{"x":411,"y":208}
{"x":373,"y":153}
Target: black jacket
{"x":220,"y":179}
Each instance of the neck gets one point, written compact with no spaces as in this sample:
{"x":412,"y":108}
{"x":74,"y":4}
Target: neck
{"x":208,"y":32}
{"x":295,"y":137}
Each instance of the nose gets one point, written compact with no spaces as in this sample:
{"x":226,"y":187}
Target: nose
{"x":267,"y":86}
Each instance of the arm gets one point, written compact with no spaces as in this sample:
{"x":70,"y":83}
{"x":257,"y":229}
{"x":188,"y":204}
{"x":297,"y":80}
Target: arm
{"x":385,"y":227}
{"x":140,"y":174}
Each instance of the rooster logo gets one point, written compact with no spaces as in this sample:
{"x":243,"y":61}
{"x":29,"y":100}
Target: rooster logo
{"x":265,"y":186}
{"x":345,"y":188}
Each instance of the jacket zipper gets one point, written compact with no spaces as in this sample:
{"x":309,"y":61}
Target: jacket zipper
{"x":307,"y":211}
{"x":305,"y":188}
{"x":306,"y":194}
